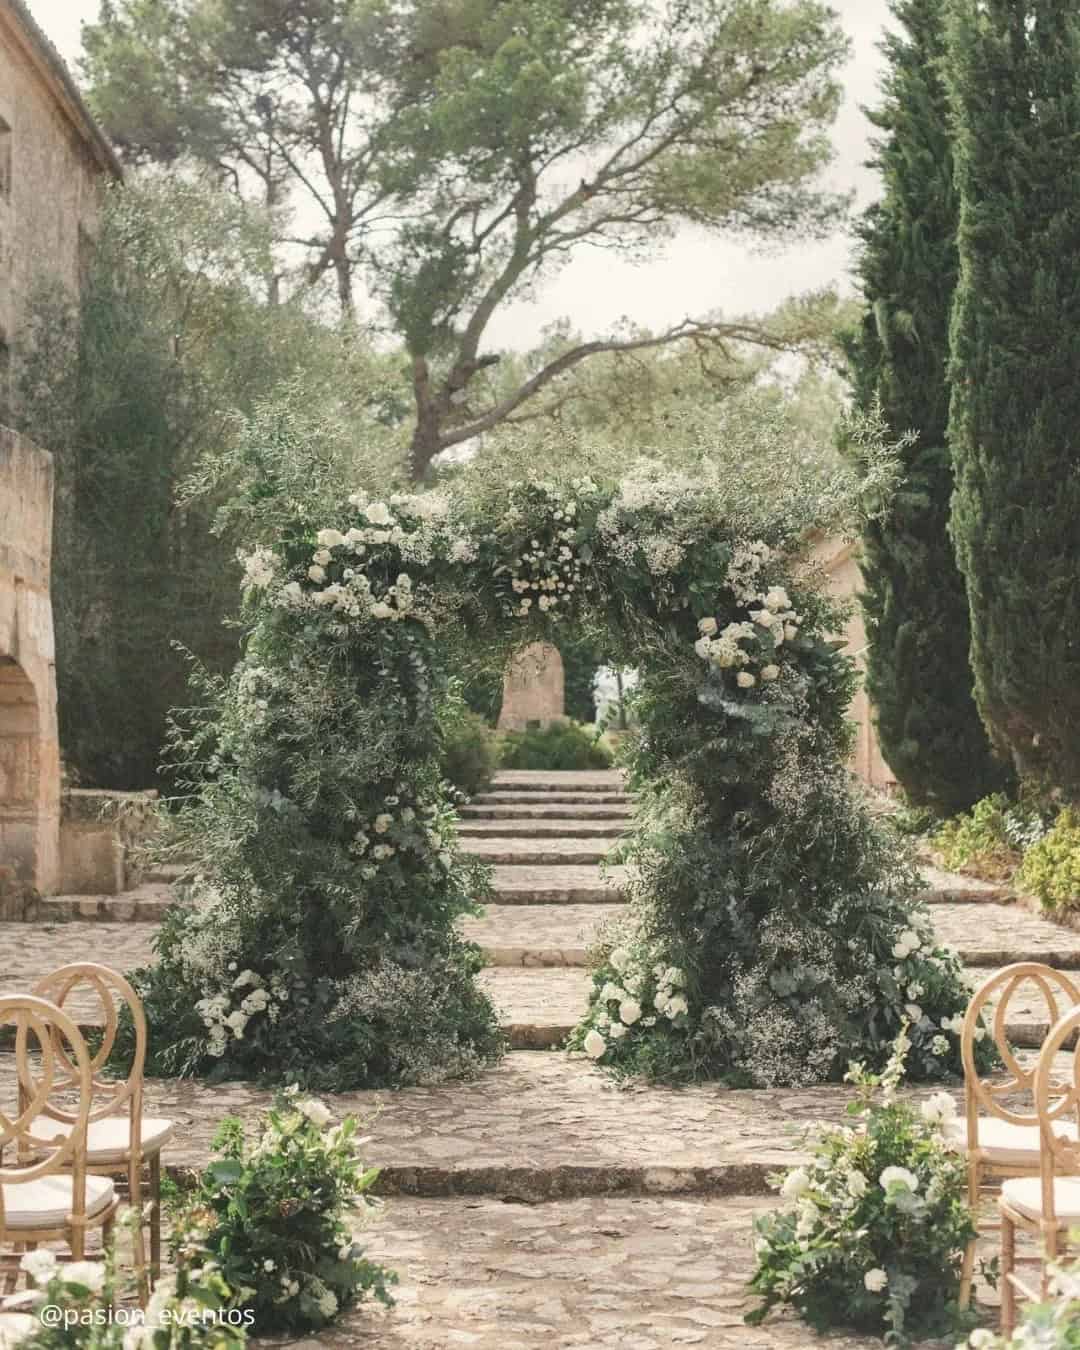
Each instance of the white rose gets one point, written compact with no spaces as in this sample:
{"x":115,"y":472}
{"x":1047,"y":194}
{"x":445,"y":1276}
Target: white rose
{"x":765,"y":617}
{"x":616,"y":1031}
{"x":322,"y":556}
{"x":630,"y":1011}
{"x":913,"y":1011}
{"x":770,"y":673}
{"x":790,"y":631}
{"x":383,"y":822}
{"x":745,"y":680}
{"x":595,"y":1045}
{"x":269,"y":1267}
{"x":619,"y":959}
{"x":91,"y":1274}
{"x":315,"y":572}
{"x":875,"y":1280}
{"x":40,"y":1265}
{"x":707,"y":626}
{"x":900,"y":1176}
{"x":703,"y":647}
{"x":329,"y":538}
{"x":856,"y":1183}
{"x":675,"y":1006}
{"x":378,"y":513}
{"x":316,"y":1111}
{"x":777,"y":598}
{"x":938,"y":1108}
{"x":795,"y":1183}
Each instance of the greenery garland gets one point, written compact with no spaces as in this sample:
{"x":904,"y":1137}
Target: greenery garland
{"x":773,"y":934}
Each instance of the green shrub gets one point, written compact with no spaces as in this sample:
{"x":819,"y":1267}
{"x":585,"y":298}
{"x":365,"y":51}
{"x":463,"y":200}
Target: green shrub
{"x":470,"y":752}
{"x":979,"y":841}
{"x":276,"y":1217}
{"x":877,"y":1221}
{"x":1051,"y":866}
{"x":562,"y":745}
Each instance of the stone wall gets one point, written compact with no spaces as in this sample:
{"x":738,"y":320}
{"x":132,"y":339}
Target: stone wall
{"x":29,"y":749}
{"x":53,"y":161}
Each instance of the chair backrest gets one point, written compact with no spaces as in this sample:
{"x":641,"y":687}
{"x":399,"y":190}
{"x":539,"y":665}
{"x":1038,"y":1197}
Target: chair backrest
{"x":1022,"y":980}
{"x":1057,"y":1099}
{"x":50,"y":1055}
{"x":103,"y":987}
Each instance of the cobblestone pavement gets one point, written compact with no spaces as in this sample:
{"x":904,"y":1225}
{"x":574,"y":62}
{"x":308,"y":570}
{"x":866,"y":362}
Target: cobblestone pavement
{"x":995,"y":935}
{"x":957,"y":888}
{"x":592,"y":1274}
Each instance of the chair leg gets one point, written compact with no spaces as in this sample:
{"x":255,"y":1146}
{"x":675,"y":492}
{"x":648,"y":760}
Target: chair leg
{"x":155,"y":1216}
{"x":968,"y":1269}
{"x":1008,"y":1264}
{"x":138,"y":1239}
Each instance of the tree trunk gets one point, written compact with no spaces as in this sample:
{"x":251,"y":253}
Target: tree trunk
{"x":425,"y":444}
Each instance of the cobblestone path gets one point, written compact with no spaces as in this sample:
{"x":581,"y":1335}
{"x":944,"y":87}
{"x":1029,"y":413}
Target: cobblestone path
{"x":544,"y":1205}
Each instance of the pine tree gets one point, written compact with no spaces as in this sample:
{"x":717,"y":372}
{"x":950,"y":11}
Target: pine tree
{"x":1015,"y":419}
{"x":918,"y":672}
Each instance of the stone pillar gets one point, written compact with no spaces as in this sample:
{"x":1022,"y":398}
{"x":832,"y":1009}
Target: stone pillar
{"x":534,"y":688}
{"x":29,"y":746}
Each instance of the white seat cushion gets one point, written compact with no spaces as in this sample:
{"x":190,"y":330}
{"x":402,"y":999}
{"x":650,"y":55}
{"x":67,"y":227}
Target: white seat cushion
{"x":1024,"y":1194}
{"x":46,"y":1202}
{"x":1003,"y":1142}
{"x":16,"y":1327}
{"x":107,"y":1140}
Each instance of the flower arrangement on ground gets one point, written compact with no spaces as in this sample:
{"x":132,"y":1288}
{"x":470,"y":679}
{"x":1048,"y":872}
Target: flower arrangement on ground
{"x":877,"y":1222}
{"x":189,"y":1310}
{"x":279,"y":1217}
{"x":775,"y":931}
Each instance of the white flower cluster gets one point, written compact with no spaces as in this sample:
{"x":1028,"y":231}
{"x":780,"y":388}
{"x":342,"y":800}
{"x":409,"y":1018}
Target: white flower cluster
{"x":619,"y":1006}
{"x":775,"y":619}
{"x":227,"y":1014}
{"x":260,"y":568}
{"x":548,"y":572}
{"x":42,"y":1266}
{"x":411,"y":830}
{"x":742,"y":575}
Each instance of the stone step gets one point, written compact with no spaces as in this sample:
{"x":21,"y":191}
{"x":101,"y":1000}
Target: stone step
{"x":531,"y":853}
{"x":538,"y":1008}
{"x":544,"y":811}
{"x":542,"y":828}
{"x":998,"y":934}
{"x":145,"y":904}
{"x":558,"y":885}
{"x":560,"y":780}
{"x":508,"y":798}
{"x":538,"y":935}
{"x":950,"y":888}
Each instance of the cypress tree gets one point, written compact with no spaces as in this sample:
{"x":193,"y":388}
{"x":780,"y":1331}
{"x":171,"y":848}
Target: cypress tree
{"x":918,"y":672}
{"x":1015,"y":429}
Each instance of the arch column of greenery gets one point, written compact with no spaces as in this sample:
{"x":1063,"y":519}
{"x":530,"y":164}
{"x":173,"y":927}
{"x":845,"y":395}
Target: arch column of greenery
{"x":772,"y":934}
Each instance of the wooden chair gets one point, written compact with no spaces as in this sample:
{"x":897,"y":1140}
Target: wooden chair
{"x":46,"y":1192}
{"x":1046,"y":1205}
{"x":121,"y":1140}
{"x":1000,"y":1139}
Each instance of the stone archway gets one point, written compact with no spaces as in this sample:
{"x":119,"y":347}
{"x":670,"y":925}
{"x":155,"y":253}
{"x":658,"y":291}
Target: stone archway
{"x":29,"y":747}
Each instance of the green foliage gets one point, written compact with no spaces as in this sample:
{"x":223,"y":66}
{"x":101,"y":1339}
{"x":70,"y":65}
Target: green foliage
{"x":1016,"y":101}
{"x":1052,"y":1324}
{"x":562,"y":745}
{"x":470,"y":752}
{"x":979,"y":840}
{"x":877,"y":1232}
{"x":275,"y":1216}
{"x":1051,"y":866}
{"x":166,"y":349}
{"x":918,"y":673}
{"x":328,"y":872}
{"x":191,"y":1309}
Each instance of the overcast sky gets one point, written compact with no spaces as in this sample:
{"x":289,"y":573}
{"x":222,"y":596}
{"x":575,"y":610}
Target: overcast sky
{"x":698,"y":273}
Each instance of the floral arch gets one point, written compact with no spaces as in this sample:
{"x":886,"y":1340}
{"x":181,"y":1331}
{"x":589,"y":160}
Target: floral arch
{"x":772,"y":934}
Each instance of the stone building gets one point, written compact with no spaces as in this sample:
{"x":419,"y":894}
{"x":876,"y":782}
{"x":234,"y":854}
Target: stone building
{"x":54,"y":162}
